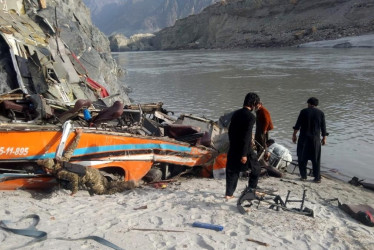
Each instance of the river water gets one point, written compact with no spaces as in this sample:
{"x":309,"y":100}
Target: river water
{"x":211,"y":83}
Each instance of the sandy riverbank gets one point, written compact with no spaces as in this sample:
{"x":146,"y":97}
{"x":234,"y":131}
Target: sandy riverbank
{"x":181,"y":203}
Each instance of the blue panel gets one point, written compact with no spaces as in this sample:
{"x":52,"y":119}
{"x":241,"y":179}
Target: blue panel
{"x":111,"y":148}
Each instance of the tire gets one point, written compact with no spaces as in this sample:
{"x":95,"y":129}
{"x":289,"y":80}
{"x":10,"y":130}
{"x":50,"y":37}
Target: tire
{"x":153,"y":175}
{"x":110,"y":176}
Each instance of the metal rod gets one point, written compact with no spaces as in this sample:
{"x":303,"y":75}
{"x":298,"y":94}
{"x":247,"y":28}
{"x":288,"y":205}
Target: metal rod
{"x":302,"y":202}
{"x":288,"y":195}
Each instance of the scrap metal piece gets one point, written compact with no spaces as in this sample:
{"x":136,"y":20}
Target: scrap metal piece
{"x":251,"y":195}
{"x":16,"y":69}
{"x":66,"y":130}
{"x":247,"y":195}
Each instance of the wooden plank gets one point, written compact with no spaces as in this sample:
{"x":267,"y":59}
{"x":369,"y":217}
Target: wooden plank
{"x":8,"y":97}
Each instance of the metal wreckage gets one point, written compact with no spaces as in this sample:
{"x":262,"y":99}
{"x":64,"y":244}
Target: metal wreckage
{"x":49,"y":93}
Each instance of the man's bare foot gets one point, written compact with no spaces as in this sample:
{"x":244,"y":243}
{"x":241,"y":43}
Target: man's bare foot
{"x":228,"y":197}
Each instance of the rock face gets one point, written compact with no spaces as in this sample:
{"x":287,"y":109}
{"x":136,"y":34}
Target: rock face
{"x":67,"y":24}
{"x":131,"y":17}
{"x":268,"y":23}
{"x":137,"y":42}
{"x":87,"y":42}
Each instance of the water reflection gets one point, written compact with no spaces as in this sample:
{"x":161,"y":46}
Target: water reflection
{"x":210,"y":83}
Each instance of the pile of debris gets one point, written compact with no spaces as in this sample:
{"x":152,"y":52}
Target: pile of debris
{"x":46,"y":90}
{"x":40,"y":75}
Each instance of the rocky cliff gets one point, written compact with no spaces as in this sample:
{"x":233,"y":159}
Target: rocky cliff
{"x":268,"y":23}
{"x":61,"y":31}
{"x":119,"y":42}
{"x":130,"y":17}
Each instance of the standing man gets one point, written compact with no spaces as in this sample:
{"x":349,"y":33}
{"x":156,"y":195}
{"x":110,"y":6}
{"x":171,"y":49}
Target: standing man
{"x":263,"y":126}
{"x":311,"y":123}
{"x":240,"y":152}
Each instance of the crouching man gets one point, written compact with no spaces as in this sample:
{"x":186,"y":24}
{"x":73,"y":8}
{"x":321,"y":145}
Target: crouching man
{"x":78,"y":175}
{"x":277,"y":155}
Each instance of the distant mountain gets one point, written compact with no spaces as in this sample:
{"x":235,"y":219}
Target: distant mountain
{"x":268,"y":23}
{"x":141,"y":16}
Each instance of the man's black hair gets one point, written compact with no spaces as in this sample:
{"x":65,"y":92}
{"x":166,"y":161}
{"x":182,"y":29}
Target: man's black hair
{"x":251,"y":99}
{"x":270,"y":141}
{"x":313,"y":101}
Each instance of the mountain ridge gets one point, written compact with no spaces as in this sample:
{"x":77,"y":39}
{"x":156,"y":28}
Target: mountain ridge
{"x":130,"y":17}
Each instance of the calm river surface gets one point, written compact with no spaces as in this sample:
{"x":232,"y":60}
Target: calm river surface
{"x":211,"y":83}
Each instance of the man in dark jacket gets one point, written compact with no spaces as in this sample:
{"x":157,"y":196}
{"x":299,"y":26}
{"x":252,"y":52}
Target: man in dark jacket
{"x":240,"y":153}
{"x":311,"y":123}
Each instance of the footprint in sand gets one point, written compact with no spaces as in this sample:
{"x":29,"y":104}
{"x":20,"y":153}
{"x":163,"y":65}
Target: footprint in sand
{"x":233,"y":234}
{"x":156,"y":242}
{"x":156,"y":220}
{"x":203,"y":244}
{"x":107,"y":225}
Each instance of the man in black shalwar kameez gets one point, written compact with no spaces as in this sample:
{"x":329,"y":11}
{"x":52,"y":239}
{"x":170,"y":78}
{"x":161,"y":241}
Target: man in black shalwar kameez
{"x":311,"y":123}
{"x":240,"y":152}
